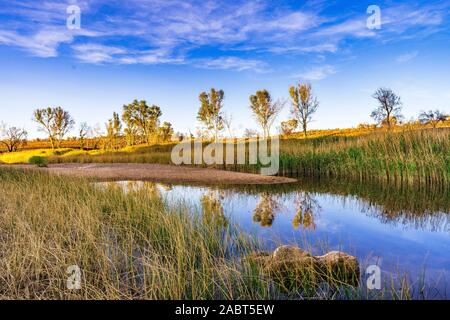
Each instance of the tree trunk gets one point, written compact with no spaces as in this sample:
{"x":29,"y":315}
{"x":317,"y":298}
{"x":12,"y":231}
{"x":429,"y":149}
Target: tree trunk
{"x":52,"y":142}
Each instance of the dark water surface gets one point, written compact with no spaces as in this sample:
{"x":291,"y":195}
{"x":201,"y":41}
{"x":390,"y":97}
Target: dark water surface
{"x":403,"y":230}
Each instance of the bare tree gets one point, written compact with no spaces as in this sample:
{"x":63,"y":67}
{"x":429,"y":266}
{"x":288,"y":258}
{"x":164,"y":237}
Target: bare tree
{"x":250,"y":133}
{"x":98,"y":134}
{"x":265,"y":110}
{"x":389,"y":108}
{"x":84,"y":132}
{"x":432,"y":117}
{"x":304,"y":105}
{"x":12,"y":137}
{"x":210,"y":112}
{"x":228,"y":123}
{"x":56,"y":122}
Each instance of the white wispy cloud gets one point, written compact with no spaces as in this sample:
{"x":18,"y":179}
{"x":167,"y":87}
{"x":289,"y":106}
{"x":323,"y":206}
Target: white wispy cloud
{"x":44,"y":43}
{"x":96,"y":53}
{"x":355,"y":27}
{"x":316,"y":73}
{"x":172,"y":31}
{"x":407,"y":57}
{"x":233,"y":63}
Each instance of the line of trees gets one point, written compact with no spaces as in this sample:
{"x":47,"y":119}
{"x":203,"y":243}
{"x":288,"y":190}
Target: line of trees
{"x":140,"y":123}
{"x":265,"y":110}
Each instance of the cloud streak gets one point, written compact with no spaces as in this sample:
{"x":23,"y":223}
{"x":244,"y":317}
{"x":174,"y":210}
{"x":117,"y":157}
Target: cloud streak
{"x":407,"y":57}
{"x":180,"y":32}
{"x":316,"y":73}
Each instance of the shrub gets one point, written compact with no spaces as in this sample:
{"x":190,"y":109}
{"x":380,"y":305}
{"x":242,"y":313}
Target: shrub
{"x":39,"y":161}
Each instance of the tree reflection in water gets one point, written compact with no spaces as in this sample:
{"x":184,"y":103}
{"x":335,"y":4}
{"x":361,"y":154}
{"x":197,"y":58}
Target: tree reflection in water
{"x":212,"y":208}
{"x":147,"y":187}
{"x":307,"y":208}
{"x":266,"y":210}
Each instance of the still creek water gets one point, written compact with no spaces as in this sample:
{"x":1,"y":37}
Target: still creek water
{"x":403,"y":230}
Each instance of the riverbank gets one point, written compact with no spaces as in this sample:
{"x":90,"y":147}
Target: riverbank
{"x":413,"y":157}
{"x":156,"y":172}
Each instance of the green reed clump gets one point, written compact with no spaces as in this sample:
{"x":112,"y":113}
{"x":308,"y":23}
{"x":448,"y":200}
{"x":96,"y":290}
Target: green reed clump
{"x":413,"y":156}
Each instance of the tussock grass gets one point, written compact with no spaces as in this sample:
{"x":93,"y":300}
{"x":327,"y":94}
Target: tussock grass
{"x":129,"y":245}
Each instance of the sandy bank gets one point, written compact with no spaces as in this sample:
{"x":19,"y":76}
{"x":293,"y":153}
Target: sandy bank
{"x":156,"y":172}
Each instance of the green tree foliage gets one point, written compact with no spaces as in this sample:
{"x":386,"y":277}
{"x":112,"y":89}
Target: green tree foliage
{"x":56,"y":122}
{"x":304,"y":104}
{"x":265,"y":110}
{"x":141,"y":119}
{"x":210,"y":112}
{"x":389,"y":108}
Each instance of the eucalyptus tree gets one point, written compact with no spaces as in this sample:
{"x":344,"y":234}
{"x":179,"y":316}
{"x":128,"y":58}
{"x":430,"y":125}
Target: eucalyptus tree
{"x":210,"y":112}
{"x":141,"y":119}
{"x":56,"y":122}
{"x":113,"y":131}
{"x":304,"y":105}
{"x":165,"y":131}
{"x":265,"y":110}
{"x":288,"y":127}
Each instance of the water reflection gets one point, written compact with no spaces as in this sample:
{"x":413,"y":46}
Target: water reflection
{"x":307,"y":209}
{"x":266,"y":210}
{"x":212,"y":209}
{"x":401,"y":228}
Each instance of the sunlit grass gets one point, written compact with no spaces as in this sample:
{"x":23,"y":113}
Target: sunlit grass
{"x":24,"y":156}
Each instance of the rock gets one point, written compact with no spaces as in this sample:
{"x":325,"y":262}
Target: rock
{"x":288,"y":253}
{"x":293,"y":268}
{"x":340,"y":267}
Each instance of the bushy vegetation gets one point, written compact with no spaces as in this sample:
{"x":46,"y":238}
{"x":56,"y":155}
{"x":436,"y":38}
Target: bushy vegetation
{"x":38,"y":161}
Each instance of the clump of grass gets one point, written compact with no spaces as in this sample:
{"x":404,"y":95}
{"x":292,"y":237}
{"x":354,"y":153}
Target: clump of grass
{"x":39,"y":161}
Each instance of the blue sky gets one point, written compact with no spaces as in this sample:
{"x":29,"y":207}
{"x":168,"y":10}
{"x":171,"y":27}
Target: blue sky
{"x":168,"y":51}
